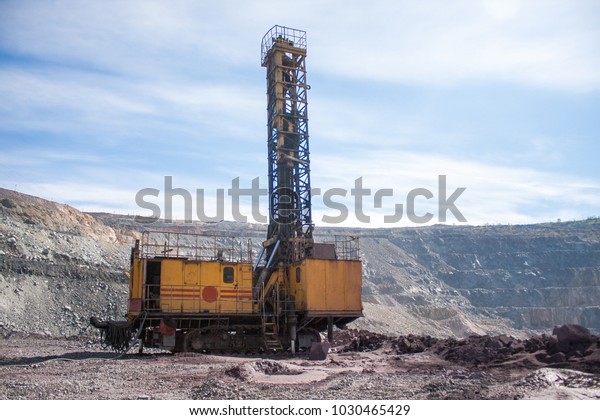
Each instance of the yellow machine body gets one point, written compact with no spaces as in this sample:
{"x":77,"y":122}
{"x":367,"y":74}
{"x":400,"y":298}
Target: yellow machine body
{"x":195,"y":287}
{"x":320,"y":287}
{"x":339,"y":294}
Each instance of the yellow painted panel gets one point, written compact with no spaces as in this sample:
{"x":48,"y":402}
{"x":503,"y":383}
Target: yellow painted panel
{"x":135,"y":280}
{"x":316,"y":298}
{"x":199,"y":287}
{"x":192,"y":273}
{"x":135,"y":288}
{"x":331,"y":287}
{"x":171,"y":272}
{"x":171,"y":284}
{"x":245,"y":288}
{"x":354,"y":286}
{"x":297,"y":285}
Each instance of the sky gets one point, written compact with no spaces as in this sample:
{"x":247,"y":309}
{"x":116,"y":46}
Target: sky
{"x":101,"y":100}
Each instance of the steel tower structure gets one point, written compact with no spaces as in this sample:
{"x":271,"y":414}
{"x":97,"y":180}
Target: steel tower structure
{"x":190,"y":292}
{"x":283,"y":53}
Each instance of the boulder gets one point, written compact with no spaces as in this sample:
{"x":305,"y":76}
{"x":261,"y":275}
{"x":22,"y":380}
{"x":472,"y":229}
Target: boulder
{"x":517,"y":347}
{"x":318,"y":351}
{"x":556,"y":358}
{"x":572,"y":334}
{"x":504,"y":340}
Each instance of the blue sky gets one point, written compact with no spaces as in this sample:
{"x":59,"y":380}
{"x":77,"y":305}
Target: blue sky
{"x":100,"y":99}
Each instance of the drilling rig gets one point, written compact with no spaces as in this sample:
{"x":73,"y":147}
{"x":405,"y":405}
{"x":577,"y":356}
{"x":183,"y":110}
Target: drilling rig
{"x":198,"y":293}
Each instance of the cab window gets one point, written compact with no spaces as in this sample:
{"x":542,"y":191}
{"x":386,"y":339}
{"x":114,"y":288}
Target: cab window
{"x":228,"y":275}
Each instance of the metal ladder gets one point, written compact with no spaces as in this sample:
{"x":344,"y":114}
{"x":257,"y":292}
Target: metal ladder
{"x":270,"y":325}
{"x":270,"y":332}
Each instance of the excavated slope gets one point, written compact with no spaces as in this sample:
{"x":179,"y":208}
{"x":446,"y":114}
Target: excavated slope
{"x":59,"y":266}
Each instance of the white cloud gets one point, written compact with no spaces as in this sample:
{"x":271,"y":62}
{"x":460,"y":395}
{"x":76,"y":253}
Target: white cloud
{"x":184,"y":78}
{"x":494,"y":193}
{"x":502,"y":9}
{"x":543,"y":43}
{"x":73,"y":101}
{"x":540,"y":43}
{"x":62,"y":102}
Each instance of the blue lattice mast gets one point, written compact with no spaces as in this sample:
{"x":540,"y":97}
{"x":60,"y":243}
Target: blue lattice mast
{"x":283,"y":53}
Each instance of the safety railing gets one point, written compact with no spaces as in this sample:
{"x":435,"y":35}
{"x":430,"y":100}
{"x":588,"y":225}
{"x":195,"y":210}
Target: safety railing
{"x":281,"y":34}
{"x":194,"y":246}
{"x":347,"y":247}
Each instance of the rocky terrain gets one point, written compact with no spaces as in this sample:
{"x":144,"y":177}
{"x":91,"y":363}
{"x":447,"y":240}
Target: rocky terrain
{"x":59,"y":266}
{"x":364,"y":365}
{"x":493,"y":279}
{"x":450,"y":312}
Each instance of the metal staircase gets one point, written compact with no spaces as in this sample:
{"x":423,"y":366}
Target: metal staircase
{"x":270,"y":320}
{"x":270,"y":331}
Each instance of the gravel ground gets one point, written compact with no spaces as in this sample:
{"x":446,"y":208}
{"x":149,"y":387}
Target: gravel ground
{"x":33,"y":367}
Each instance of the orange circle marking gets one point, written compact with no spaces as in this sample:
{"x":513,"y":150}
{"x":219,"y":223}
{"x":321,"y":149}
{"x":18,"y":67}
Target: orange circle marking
{"x":210,"y":293}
